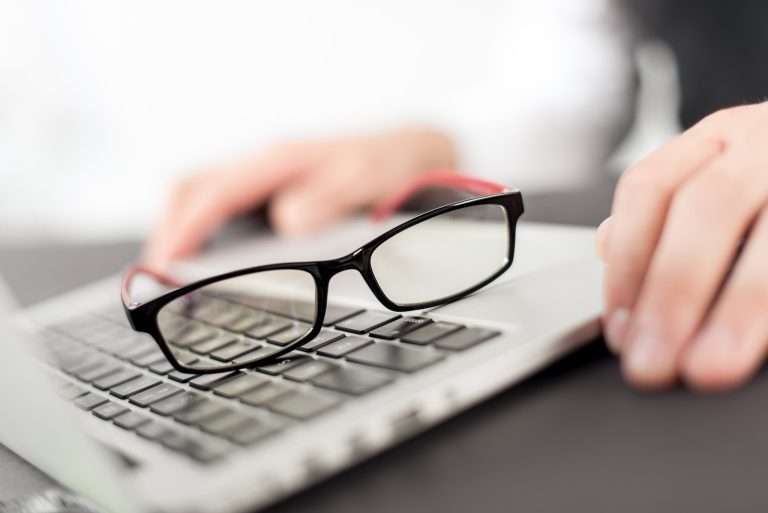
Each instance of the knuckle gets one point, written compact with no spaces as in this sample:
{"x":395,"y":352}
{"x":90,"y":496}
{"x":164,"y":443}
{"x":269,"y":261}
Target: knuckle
{"x":640,"y":180}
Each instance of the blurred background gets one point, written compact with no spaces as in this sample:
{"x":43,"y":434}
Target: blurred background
{"x":103,"y":105}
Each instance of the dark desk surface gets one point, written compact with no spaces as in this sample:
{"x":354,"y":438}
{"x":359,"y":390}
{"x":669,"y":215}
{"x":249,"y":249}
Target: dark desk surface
{"x":572,"y":438}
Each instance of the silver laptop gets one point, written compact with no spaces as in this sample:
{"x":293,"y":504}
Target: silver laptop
{"x":89,"y":401}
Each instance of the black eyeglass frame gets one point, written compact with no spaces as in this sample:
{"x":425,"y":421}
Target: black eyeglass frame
{"x":143,"y":317}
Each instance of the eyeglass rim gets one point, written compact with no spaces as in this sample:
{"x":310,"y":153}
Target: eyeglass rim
{"x":143,"y":317}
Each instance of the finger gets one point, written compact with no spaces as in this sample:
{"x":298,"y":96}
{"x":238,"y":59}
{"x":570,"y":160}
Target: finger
{"x":733,"y":341}
{"x":639,"y":210}
{"x":601,"y":243}
{"x":199,"y":206}
{"x":323,"y":197}
{"x":698,"y":244}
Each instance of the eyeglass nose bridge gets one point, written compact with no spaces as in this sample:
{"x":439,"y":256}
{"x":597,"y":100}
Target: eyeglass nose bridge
{"x":354,"y":261}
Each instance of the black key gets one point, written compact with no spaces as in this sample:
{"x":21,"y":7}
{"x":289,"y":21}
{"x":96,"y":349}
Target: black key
{"x":431,"y":332}
{"x":235,"y":350}
{"x":70,"y":391}
{"x":465,"y":339}
{"x":221,"y":425}
{"x":257,"y":354}
{"x":182,"y":377}
{"x":154,"y":431}
{"x":202,"y":449}
{"x":161,"y":367}
{"x":175,"y":403}
{"x":308,"y":370}
{"x":100,"y":371}
{"x":133,"y":387}
{"x":89,"y":401}
{"x":400,"y":327}
{"x":344,"y":346}
{"x":148,"y":359}
{"x":130,"y":420}
{"x":366,"y":322}
{"x":109,"y":411}
{"x":154,"y":394}
{"x":193,"y":334}
{"x":139,"y":350}
{"x":264,"y":394}
{"x":212,"y":344}
{"x":115,"y":379}
{"x":325,"y":337}
{"x":200,"y":411}
{"x":208,"y":381}
{"x":303,"y":405}
{"x":251,"y":431}
{"x":337,"y":313}
{"x":353,"y":380}
{"x":240,"y":385}
{"x":284,"y":363}
{"x":291,"y":334}
{"x":390,"y":356}
{"x":269,"y":328}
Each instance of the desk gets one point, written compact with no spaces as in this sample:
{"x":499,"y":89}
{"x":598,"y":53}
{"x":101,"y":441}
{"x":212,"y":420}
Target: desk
{"x":571,"y":438}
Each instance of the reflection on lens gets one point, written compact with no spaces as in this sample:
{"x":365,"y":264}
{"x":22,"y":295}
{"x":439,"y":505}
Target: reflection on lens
{"x":240,"y":320}
{"x":443,"y":256}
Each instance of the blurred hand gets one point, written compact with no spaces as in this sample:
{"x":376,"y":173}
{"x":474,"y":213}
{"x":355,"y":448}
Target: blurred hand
{"x":686,"y":253}
{"x":309,"y":185}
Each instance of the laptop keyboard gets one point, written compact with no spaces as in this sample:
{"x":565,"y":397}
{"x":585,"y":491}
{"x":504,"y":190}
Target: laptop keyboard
{"x":121,"y":377}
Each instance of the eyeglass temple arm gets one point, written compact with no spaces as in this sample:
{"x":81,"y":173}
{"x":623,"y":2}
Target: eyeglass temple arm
{"x":440,"y":177}
{"x":134,"y":271}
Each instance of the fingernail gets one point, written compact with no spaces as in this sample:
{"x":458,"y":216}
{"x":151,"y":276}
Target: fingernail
{"x":649,"y":359}
{"x":616,"y":328}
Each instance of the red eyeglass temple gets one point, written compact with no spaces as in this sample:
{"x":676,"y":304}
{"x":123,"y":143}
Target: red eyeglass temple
{"x":440,"y":177}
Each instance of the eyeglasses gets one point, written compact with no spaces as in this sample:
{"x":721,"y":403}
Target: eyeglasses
{"x":413,"y":266}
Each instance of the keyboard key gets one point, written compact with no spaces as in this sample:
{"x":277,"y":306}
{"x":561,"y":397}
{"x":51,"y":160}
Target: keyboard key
{"x":344,"y":346}
{"x":109,"y":411}
{"x":398,"y":328}
{"x":257,"y":354}
{"x":201,"y":449}
{"x":212,"y":344}
{"x":131,"y":420}
{"x":192,"y":334}
{"x":154,"y":431}
{"x":323,"y":338}
{"x":139,"y":350}
{"x":365,"y":322}
{"x":221,"y":425}
{"x":303,"y":405}
{"x":251,"y":431}
{"x":269,"y":328}
{"x":89,"y":401}
{"x":154,"y":394}
{"x":100,"y":371}
{"x":247,"y":321}
{"x":148,"y":359}
{"x":240,"y":385}
{"x":133,"y":387}
{"x":390,"y":356}
{"x":235,"y":350}
{"x":200,"y":411}
{"x":208,"y":381}
{"x":118,"y":378}
{"x":465,"y":339}
{"x":182,"y":377}
{"x":291,"y":334}
{"x":353,"y":380}
{"x":70,"y":391}
{"x":264,"y":394}
{"x":175,"y":403}
{"x":431,"y":332}
{"x":161,"y":367}
{"x":308,"y":370}
{"x":336,"y":313}
{"x":283,"y":363}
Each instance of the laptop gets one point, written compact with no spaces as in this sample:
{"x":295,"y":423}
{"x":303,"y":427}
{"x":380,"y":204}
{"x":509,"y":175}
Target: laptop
{"x":88,"y":400}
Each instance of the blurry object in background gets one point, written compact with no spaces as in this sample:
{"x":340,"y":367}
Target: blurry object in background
{"x":720,"y":47}
{"x":103,"y":104}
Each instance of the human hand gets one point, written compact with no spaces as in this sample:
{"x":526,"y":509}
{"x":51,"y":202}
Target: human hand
{"x":686,"y":253}
{"x":309,"y":185}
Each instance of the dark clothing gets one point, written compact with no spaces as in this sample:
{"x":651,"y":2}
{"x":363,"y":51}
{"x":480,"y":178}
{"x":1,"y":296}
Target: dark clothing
{"x":721,"y":48}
